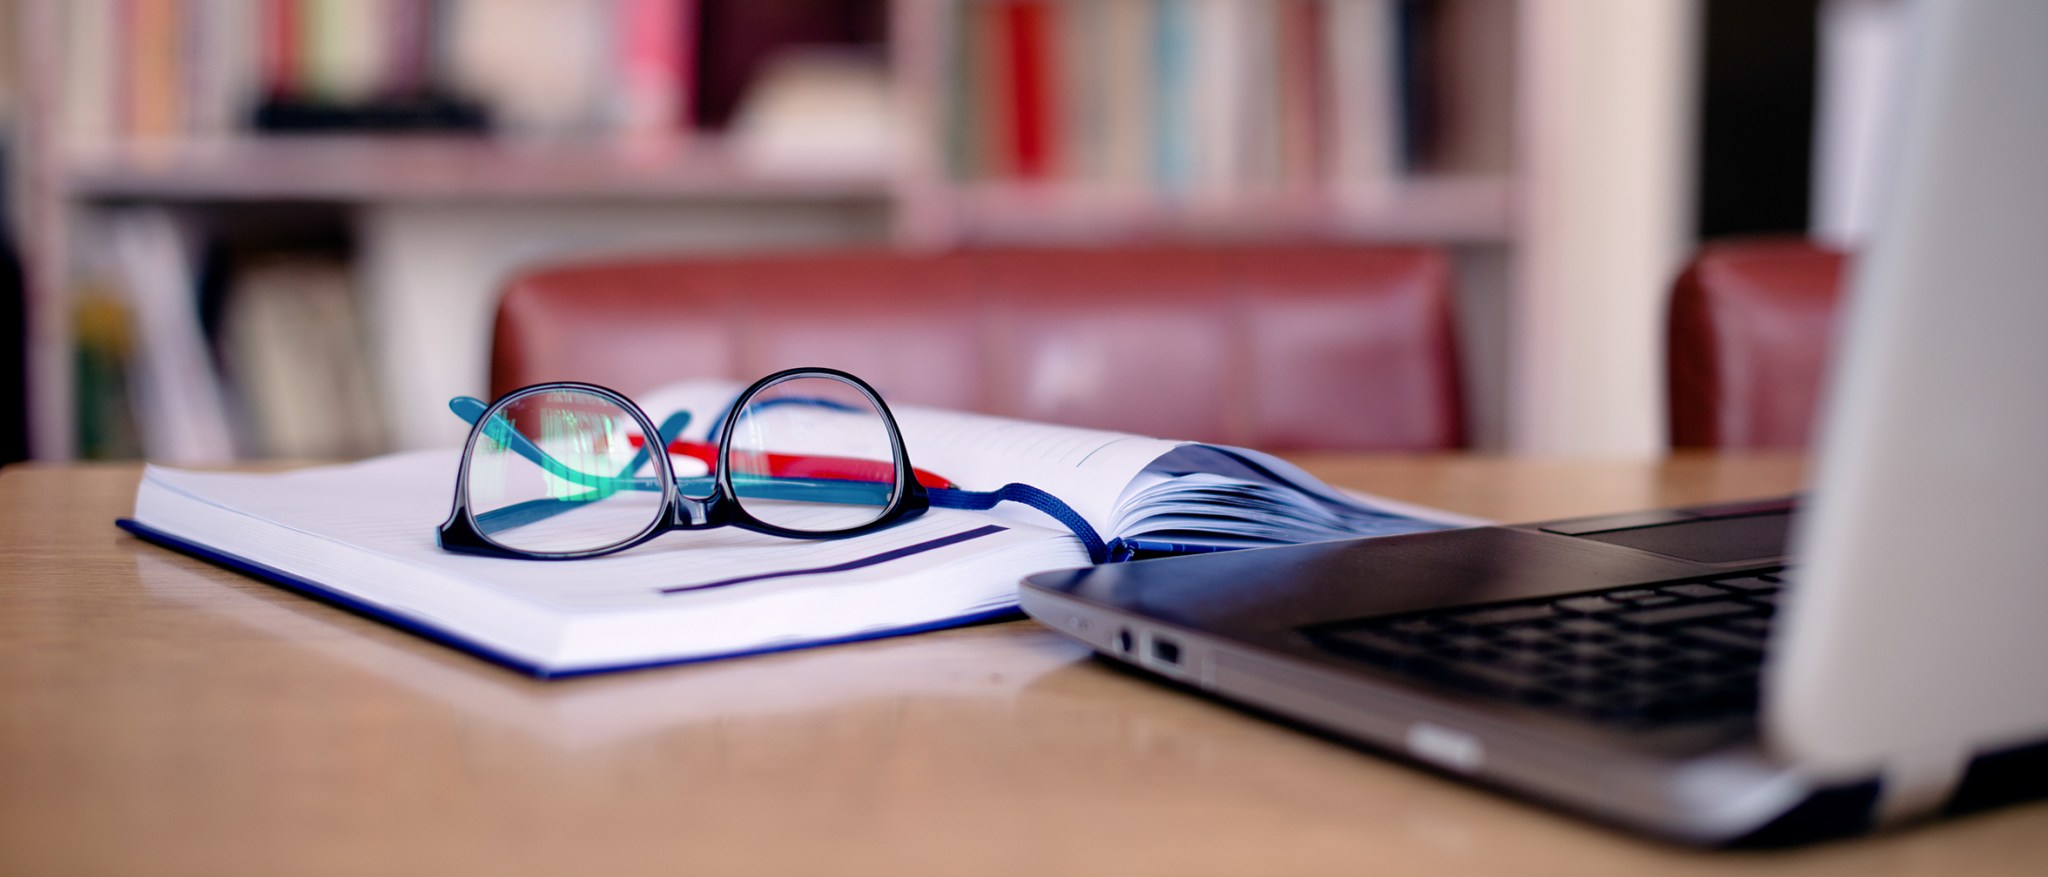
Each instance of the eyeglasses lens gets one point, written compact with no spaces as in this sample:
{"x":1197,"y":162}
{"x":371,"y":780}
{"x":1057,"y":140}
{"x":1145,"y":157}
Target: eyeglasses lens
{"x":562,"y":471}
{"x":812,"y":454}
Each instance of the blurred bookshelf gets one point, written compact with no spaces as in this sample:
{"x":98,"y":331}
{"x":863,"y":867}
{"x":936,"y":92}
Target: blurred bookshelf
{"x":454,"y":141}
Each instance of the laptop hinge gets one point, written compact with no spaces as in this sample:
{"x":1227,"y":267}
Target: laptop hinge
{"x":1918,"y":784}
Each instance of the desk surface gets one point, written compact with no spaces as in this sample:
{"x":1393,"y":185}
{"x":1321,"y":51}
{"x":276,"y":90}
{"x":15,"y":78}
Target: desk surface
{"x":161,"y":715}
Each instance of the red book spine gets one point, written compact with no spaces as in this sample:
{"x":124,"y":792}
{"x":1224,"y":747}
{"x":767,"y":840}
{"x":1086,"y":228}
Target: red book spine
{"x":1028,"y":27}
{"x":1304,"y":94}
{"x":280,"y":48}
{"x":654,"y":48}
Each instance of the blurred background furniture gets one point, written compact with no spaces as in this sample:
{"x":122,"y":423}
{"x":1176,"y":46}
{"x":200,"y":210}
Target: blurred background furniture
{"x":1478,"y":126}
{"x":1750,"y":329}
{"x":1278,"y":347}
{"x":1557,"y":150}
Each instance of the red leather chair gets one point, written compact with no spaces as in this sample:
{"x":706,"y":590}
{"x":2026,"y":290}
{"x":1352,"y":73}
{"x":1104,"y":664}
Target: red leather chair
{"x":1751,"y":324}
{"x":1277,"y":347}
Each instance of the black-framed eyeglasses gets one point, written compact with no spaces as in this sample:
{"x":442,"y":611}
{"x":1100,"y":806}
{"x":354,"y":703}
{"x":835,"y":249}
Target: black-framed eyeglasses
{"x":567,"y":470}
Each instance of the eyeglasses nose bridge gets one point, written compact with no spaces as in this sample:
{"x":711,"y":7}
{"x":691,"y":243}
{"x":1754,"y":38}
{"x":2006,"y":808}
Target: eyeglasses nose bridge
{"x":693,"y":513}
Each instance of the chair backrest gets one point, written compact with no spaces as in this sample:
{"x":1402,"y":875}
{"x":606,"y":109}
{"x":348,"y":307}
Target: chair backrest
{"x":1751,"y":324}
{"x":1277,"y":347}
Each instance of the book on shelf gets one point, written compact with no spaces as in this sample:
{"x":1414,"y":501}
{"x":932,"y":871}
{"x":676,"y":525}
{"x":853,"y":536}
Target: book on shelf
{"x":295,"y":362}
{"x":1475,"y":53}
{"x":101,"y":359}
{"x":141,"y":272}
{"x":819,"y":113}
{"x":1026,"y":30}
{"x":153,"y":71}
{"x":657,"y":67}
{"x":192,"y":350}
{"x":195,"y":349}
{"x":1364,"y":95}
{"x":1214,"y":99}
{"x":363,"y":535}
{"x":1125,"y":144}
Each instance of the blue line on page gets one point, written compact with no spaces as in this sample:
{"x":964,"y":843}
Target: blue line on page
{"x":884,"y":557}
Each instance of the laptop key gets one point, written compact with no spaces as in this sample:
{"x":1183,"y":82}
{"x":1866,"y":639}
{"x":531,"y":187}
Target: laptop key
{"x":1373,"y":643}
{"x":1508,"y":615}
{"x":1586,"y":651}
{"x":1758,"y":625}
{"x":1703,"y":659}
{"x":1695,"y":590}
{"x":1640,"y":641}
{"x":1417,"y":626}
{"x":1528,"y":663}
{"x":1641,"y":670}
{"x":1749,"y":583}
{"x":1589,"y":605}
{"x":1734,"y":639}
{"x":1585,"y":627}
{"x":1498,"y":676}
{"x":1465,"y":642}
{"x":1587,"y":680}
{"x":1660,"y":654}
{"x":1688,"y":612}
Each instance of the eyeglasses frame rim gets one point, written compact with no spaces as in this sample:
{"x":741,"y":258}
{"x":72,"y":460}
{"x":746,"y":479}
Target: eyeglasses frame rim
{"x":460,"y":533}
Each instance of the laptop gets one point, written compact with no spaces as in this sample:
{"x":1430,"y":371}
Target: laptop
{"x":1758,"y":672}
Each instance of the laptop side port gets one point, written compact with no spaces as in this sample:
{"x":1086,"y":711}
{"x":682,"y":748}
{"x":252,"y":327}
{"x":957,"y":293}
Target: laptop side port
{"x":1165,"y":651}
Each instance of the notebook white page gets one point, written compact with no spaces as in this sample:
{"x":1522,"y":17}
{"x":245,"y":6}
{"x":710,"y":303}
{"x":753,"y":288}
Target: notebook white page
{"x":367,"y":531}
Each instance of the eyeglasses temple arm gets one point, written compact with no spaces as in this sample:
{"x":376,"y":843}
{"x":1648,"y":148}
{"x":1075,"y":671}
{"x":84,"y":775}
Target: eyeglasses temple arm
{"x":671,"y":429}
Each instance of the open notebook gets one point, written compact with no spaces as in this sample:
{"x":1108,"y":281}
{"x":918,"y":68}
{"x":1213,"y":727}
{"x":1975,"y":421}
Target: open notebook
{"x":362,"y":535}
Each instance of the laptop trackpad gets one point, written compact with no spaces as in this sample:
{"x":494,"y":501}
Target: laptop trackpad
{"x":1712,"y":540}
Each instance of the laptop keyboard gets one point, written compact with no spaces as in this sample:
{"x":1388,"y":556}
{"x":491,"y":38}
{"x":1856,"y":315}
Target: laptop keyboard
{"x":1636,"y":657}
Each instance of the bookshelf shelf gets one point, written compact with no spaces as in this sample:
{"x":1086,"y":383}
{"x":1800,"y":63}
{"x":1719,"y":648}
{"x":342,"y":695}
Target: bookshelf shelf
{"x":1446,"y":210}
{"x":373,"y":168}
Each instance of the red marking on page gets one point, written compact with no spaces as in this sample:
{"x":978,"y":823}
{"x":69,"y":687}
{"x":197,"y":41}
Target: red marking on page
{"x":805,"y":466}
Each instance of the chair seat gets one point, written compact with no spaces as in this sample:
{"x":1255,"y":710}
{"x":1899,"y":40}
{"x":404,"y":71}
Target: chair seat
{"x":1283,"y":348}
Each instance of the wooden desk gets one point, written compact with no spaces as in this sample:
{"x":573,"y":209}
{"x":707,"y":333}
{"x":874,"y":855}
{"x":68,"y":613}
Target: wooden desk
{"x":160,"y":715}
